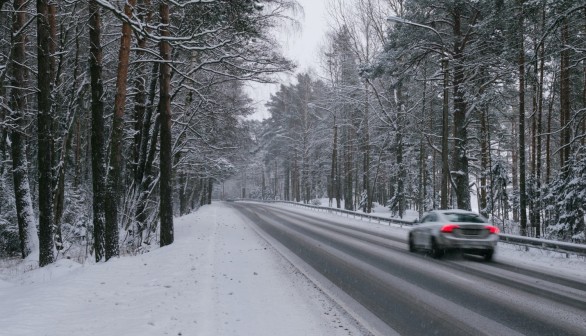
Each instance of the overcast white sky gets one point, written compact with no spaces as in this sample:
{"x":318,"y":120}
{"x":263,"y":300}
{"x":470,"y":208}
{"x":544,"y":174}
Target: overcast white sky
{"x":303,"y":47}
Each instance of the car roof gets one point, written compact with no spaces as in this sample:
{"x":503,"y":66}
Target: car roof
{"x":455,"y":211}
{"x":451,"y":211}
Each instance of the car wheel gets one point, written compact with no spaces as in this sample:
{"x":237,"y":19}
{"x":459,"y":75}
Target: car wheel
{"x":488,"y":255}
{"x":436,"y":251}
{"x":411,"y":244}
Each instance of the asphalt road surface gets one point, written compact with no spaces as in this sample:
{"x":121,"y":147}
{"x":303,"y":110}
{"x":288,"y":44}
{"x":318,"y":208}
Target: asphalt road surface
{"x":412,"y":293}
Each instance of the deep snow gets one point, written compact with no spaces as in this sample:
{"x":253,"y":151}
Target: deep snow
{"x":218,"y":278}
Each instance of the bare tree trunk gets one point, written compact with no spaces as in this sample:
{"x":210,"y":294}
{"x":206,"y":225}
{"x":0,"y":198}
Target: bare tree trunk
{"x":422,"y":159}
{"x":144,"y":169}
{"x":98,"y":153}
{"x":348,"y":161}
{"x":548,"y":138}
{"x":58,"y":183}
{"x":460,"y":158}
{"x":114,"y":169}
{"x":445,"y":180}
{"x":210,"y":189}
{"x":522,"y":178}
{"x":140,"y":100}
{"x":45,"y":120}
{"x":332,"y":186}
{"x":400,"y":192}
{"x":296,"y":179}
{"x":538,"y":164}
{"x":515,"y":166}
{"x":166,"y":150}
{"x":203,"y":192}
{"x":366,"y":155}
{"x":22,"y":194}
{"x":287,"y":183}
{"x":484,"y":157}
{"x":263,"y":183}
{"x":336,"y":168}
{"x":184,"y":194}
{"x":565,"y":148}
{"x":275,"y":184}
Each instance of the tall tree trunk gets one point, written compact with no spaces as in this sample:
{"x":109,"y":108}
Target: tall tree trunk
{"x":484,"y":157}
{"x":348,"y":178}
{"x":184,"y":194}
{"x":400,"y":192}
{"x":98,"y":152}
{"x":263,"y":183}
{"x":445,"y":180}
{"x":58,"y":182}
{"x":210,"y":190}
{"x":296,"y":179}
{"x":460,"y":158}
{"x":166,"y":159}
{"x":515,"y":166}
{"x":117,"y":135}
{"x":565,"y":148}
{"x":422,"y":159}
{"x":22,"y":194}
{"x":144,"y":13}
{"x":144,"y":174}
{"x":548,"y":160}
{"x":45,"y":120}
{"x":203,"y":192}
{"x":538,"y":164}
{"x":275,"y":185}
{"x":146,"y":124}
{"x":286,"y":182}
{"x":366,"y":154}
{"x":335,"y":168}
{"x":522,"y":178}
{"x":305,"y":182}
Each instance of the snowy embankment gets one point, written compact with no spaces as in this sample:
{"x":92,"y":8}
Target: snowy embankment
{"x":218,"y":278}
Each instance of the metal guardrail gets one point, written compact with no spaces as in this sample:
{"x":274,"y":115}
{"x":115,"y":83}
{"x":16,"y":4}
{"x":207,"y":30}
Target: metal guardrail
{"x":349,"y":213}
{"x":544,"y":244}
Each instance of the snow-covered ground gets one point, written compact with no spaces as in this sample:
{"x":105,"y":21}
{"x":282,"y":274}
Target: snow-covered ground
{"x":218,"y":278}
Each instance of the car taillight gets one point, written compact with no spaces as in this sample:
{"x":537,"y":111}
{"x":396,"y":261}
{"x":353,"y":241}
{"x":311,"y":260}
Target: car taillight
{"x":449,"y":228}
{"x":492,"y":229}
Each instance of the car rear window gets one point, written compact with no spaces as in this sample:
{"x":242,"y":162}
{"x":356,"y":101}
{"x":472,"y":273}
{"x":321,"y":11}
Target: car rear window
{"x":464,"y":218}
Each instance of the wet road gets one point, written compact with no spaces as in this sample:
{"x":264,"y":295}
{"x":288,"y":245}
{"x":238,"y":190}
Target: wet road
{"x":416,"y":295}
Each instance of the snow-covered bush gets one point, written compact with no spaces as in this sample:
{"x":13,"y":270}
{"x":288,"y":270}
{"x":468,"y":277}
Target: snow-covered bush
{"x":315,"y":201}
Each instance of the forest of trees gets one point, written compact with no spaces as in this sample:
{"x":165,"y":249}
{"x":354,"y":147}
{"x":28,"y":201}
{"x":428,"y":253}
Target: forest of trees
{"x":117,"y":115}
{"x":437,"y":104}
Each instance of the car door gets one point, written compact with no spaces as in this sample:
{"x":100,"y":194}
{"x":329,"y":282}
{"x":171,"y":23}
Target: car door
{"x":425,"y":228}
{"x":418,"y":231}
